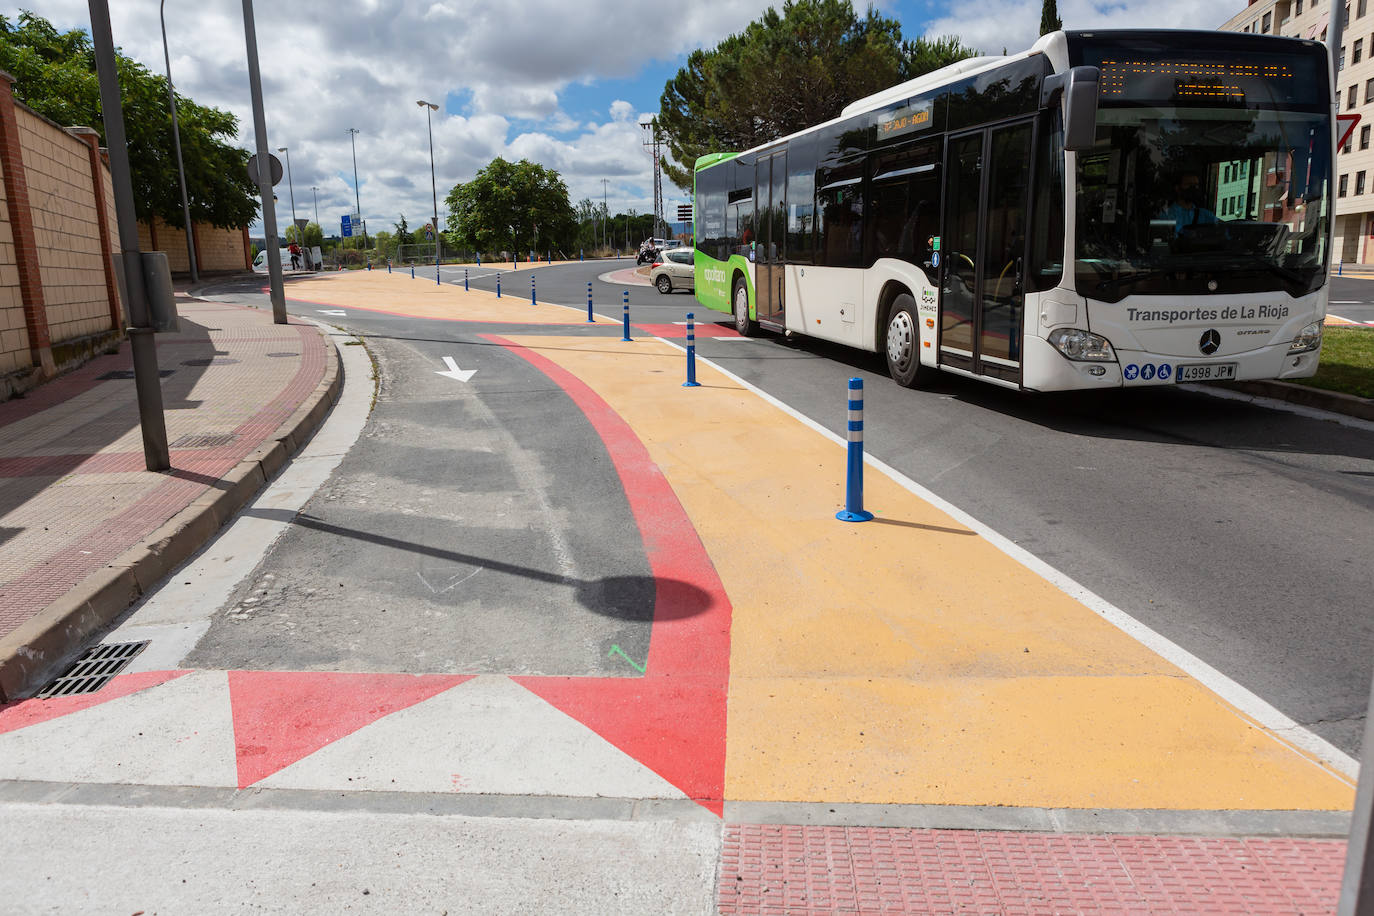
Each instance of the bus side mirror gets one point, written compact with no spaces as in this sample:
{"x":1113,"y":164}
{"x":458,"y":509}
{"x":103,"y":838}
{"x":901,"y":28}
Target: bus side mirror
{"x":1079,"y":89}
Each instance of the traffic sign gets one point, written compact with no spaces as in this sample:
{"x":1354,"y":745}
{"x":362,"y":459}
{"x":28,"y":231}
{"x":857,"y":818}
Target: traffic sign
{"x":684,"y":213}
{"x":273,"y":168}
{"x":346,"y":226}
{"x":301,"y":223}
{"x":429,"y":232}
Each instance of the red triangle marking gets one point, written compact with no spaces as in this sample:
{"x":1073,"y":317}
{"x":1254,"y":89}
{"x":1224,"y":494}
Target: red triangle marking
{"x":23,"y":713}
{"x":282,"y":717}
{"x":674,"y":726}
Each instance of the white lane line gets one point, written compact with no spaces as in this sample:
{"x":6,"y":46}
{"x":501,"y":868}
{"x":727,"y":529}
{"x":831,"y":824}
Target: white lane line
{"x":1347,"y":302}
{"x":1246,"y":701}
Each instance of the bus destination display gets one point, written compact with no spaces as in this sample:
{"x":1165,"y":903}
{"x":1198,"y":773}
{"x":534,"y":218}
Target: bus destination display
{"x":904,"y":120}
{"x":1198,"y":82}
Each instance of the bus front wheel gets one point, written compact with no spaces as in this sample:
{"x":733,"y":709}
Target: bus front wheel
{"x":903,"y":344}
{"x":743,"y":323}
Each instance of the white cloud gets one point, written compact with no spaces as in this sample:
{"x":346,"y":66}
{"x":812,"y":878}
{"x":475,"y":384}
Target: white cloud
{"x":991,"y":25}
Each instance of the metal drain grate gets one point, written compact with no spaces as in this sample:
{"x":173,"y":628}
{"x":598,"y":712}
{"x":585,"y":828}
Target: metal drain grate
{"x":204,"y":440}
{"x":93,"y":669}
{"x":128,"y":373}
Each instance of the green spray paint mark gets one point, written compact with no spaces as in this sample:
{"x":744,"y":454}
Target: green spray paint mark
{"x":616,"y":650}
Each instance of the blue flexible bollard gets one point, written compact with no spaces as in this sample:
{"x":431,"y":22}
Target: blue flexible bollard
{"x":691,"y":353}
{"x":465,"y":279}
{"x":412,"y":270}
{"x":854,"y":473}
{"x":479,"y":259}
{"x":388,"y":265}
{"x":532,"y":302}
{"x":498,"y":286}
{"x":581,"y":255}
{"x":437,"y":281}
{"x":590,"y":319}
{"x":627,"y":316}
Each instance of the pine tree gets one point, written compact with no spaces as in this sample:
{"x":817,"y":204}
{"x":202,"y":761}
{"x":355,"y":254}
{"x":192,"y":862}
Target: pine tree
{"x":1049,"y":17}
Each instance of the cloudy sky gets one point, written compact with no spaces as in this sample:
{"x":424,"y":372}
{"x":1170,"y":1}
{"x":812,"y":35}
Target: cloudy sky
{"x":561,"y":83}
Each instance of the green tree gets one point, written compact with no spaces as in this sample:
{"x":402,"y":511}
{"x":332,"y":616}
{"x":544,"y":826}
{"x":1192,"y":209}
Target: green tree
{"x":55,"y":75}
{"x":513,"y":206}
{"x":312,"y":237}
{"x":403,"y":234}
{"x":784,"y":72}
{"x":1049,"y":17}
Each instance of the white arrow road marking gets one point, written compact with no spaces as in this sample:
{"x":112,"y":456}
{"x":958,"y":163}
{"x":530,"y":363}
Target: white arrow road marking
{"x":454,"y":372}
{"x":331,"y":311}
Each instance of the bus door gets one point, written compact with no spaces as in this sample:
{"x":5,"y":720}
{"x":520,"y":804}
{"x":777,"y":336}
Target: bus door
{"x":987,"y":184}
{"x":770,"y":180}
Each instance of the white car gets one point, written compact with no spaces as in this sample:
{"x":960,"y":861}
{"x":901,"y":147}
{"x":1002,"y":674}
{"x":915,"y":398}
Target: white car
{"x":675,"y":269}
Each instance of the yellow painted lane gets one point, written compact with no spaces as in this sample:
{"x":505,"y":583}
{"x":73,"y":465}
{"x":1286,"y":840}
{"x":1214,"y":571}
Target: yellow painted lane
{"x":907,"y":660}
{"x":397,"y":293}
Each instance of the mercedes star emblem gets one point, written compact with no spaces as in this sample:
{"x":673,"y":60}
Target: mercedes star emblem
{"x":1210,"y":342}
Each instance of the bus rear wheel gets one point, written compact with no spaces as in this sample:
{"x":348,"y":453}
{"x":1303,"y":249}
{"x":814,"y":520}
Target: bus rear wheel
{"x":740,"y":297}
{"x":903,"y":344}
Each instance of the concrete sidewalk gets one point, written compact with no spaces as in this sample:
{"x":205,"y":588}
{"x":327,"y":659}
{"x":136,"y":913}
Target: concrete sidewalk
{"x":85,"y":528}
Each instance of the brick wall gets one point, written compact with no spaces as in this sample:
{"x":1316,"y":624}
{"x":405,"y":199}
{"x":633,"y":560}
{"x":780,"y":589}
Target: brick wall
{"x":216,"y":249}
{"x":14,"y":337}
{"x":65,"y":227}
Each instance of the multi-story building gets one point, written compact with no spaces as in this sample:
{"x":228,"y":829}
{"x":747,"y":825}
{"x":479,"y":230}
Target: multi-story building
{"x":1355,"y":90}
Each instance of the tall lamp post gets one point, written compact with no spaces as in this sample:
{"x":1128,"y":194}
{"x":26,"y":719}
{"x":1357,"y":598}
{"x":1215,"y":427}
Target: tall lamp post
{"x":315,"y":193}
{"x":352,"y":139}
{"x":291,"y":189}
{"x":430,"y":108}
{"x":176,"y":143}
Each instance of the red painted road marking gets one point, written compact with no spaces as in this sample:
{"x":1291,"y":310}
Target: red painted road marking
{"x":282,"y":717}
{"x":24,"y":713}
{"x":673,"y":718}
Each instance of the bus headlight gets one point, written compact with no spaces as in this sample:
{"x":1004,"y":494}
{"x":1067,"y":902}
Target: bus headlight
{"x":1308,"y":339}
{"x":1080,"y":345}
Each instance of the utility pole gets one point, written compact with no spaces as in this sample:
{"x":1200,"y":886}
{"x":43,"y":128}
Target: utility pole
{"x":146,"y":382}
{"x":605,"y":213}
{"x":352,"y":134}
{"x":269,"y":210}
{"x":291,"y":186}
{"x":430,"y":108}
{"x":176,"y":143}
{"x":653,"y":141}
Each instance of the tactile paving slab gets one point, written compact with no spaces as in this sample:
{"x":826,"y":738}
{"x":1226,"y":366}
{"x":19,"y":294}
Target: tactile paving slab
{"x":801,"y":871}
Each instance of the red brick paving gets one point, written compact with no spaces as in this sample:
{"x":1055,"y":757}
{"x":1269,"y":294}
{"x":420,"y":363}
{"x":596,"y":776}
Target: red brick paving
{"x":807,"y":871}
{"x":74,"y":493}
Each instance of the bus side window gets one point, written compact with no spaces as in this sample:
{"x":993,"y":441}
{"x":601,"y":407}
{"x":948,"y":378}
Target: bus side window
{"x":1047,"y":238}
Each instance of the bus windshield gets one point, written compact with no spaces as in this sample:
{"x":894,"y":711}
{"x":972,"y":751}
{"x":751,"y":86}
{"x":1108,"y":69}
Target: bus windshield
{"x":1211,"y":166}
{"x":1199,"y":200}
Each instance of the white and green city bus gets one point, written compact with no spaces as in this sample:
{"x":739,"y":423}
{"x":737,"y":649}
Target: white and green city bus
{"x":1108,"y":208}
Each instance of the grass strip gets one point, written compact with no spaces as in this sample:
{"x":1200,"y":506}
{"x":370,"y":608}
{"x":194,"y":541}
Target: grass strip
{"x":1347,"y":363}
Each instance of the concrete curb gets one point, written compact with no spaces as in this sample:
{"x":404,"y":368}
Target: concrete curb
{"x":1306,"y":396}
{"x":31,"y":654}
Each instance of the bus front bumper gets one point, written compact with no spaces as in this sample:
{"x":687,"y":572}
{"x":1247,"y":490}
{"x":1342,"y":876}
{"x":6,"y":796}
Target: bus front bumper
{"x":1046,"y":369}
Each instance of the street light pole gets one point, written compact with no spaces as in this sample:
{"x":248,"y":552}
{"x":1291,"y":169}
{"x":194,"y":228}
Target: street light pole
{"x":176,"y":142}
{"x":146,"y":379}
{"x":352,"y":135}
{"x":430,"y":108}
{"x":291,"y":189}
{"x":269,"y":211}
{"x":315,"y":193}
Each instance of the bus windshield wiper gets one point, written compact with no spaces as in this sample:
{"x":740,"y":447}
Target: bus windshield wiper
{"x":1113,"y":282}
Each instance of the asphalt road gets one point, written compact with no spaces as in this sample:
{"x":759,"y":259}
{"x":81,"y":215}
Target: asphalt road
{"x":1238,"y":531}
{"x":1353,"y":299}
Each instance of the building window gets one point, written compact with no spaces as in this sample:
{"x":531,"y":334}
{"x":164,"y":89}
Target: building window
{"x":1266,"y":22}
{"x":1357,"y":51}
{"x":1345,"y":16}
{"x":1350,"y":97}
{"x":1359,"y":182}
{"x":1340,"y":189}
{"x":1340,"y":64}
{"x":1360,"y":9}
{"x":1369,"y":90}
{"x":1299,"y":12}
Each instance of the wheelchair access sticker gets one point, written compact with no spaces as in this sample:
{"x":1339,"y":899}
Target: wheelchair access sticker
{"x":1147,"y":372}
